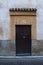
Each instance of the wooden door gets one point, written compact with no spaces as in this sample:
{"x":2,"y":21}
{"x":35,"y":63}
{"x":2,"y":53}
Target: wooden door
{"x":23,"y":39}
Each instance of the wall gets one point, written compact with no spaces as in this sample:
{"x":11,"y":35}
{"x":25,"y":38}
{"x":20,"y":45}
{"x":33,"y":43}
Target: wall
{"x":5,"y":23}
{"x":5,"y":18}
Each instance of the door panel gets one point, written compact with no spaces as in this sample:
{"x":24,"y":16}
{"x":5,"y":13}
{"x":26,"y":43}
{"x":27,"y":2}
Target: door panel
{"x":23,"y":39}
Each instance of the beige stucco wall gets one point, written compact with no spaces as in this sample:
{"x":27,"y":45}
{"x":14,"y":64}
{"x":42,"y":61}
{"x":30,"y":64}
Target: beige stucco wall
{"x":29,"y":18}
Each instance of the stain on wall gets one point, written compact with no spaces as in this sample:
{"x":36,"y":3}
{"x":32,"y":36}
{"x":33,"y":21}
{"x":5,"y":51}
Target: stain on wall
{"x":1,"y":31}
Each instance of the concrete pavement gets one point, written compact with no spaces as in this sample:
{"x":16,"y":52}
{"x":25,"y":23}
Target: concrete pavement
{"x":21,"y":60}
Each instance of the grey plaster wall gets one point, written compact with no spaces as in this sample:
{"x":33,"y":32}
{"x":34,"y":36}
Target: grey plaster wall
{"x":37,"y":47}
{"x":8,"y":48}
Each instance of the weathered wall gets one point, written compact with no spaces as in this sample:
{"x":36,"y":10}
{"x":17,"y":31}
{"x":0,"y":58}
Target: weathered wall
{"x":5,"y":18}
{"x":5,"y":23}
{"x":8,"y":48}
{"x":37,"y":47}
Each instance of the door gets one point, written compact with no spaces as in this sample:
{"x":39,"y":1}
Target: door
{"x":23,"y":39}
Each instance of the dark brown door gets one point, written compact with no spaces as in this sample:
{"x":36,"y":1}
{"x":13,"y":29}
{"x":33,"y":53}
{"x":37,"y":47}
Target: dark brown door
{"x":23,"y":39}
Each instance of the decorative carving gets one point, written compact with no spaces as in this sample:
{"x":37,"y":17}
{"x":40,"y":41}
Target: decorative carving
{"x":23,"y":9}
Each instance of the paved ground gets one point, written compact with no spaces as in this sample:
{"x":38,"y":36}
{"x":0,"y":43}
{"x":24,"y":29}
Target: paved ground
{"x":28,"y":60}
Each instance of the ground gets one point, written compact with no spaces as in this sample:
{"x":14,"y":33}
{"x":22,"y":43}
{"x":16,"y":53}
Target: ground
{"x":24,"y":60}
